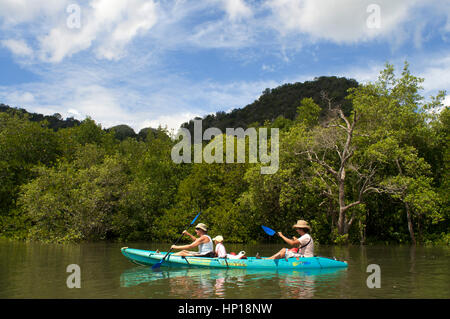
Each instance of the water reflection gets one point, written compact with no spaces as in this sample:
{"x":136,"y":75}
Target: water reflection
{"x":232,"y":283}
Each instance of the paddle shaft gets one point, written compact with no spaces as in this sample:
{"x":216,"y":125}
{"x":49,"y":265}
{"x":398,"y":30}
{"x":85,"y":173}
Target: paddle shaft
{"x":179,"y":238}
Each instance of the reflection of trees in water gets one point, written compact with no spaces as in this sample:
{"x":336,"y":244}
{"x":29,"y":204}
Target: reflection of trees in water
{"x":233,"y":283}
{"x":306,"y":284}
{"x":412,"y":269}
{"x":412,"y":255}
{"x":194,"y":287}
{"x":204,"y":283}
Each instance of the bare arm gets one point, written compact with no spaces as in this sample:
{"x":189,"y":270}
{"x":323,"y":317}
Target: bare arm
{"x":187,"y":233}
{"x":291,"y":242}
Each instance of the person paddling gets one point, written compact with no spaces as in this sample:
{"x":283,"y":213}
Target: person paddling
{"x":203,"y":242}
{"x":303,"y":246}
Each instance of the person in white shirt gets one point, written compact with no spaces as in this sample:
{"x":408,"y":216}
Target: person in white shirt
{"x":204,"y":243}
{"x":220,"y":248}
{"x":303,"y":246}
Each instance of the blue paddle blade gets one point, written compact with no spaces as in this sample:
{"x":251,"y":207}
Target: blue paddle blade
{"x":268,"y":230}
{"x":193,"y":221}
{"x":157,"y":265}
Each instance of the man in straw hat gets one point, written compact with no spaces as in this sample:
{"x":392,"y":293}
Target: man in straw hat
{"x":303,"y":246}
{"x":203,"y":242}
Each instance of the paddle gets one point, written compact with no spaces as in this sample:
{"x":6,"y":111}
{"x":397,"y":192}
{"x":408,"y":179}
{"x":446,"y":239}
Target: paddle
{"x":268,"y":230}
{"x":158,"y":264}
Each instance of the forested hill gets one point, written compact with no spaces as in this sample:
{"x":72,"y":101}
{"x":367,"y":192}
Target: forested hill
{"x":281,"y":101}
{"x":273,"y":103}
{"x":55,"y":121}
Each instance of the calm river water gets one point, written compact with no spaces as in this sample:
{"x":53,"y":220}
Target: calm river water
{"x":33,"y":270}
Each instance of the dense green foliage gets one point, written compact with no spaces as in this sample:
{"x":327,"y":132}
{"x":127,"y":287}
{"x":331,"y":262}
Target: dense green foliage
{"x":361,"y":163}
{"x":122,"y":132}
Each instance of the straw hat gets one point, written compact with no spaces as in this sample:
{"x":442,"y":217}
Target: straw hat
{"x":302,"y":224}
{"x":202,"y":227}
{"x":218,"y":238}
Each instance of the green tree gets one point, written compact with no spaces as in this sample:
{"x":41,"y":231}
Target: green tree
{"x":154,"y":183}
{"x":395,"y":123}
{"x":122,"y":132}
{"x":88,"y":132}
{"x":23,"y":144}
{"x":73,"y":203}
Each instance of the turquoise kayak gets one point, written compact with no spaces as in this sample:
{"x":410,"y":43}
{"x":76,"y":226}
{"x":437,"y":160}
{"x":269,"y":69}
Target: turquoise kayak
{"x":149,"y":257}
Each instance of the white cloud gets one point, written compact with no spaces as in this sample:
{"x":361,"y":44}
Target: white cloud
{"x":363,"y":74}
{"x":18,"y":47}
{"x":221,"y":34}
{"x":13,"y":12}
{"x":140,"y":16}
{"x":344,"y":21}
{"x":99,"y":103}
{"x":237,"y":9}
{"x":446,"y":101}
{"x":109,"y":25}
{"x":73,"y":112}
{"x":436,"y":74}
{"x":269,"y":68}
{"x":171,"y":121}
{"x":21,"y":98}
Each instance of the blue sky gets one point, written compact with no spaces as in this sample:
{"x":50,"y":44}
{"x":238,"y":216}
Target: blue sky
{"x":149,"y":63}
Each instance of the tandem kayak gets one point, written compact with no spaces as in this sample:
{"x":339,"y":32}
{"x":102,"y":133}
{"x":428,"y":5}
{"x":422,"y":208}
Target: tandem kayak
{"x":149,"y":257}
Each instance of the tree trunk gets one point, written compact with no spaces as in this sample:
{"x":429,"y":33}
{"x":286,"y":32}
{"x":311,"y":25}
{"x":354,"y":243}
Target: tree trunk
{"x":410,"y":225}
{"x":333,"y":215}
{"x":341,"y":220}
